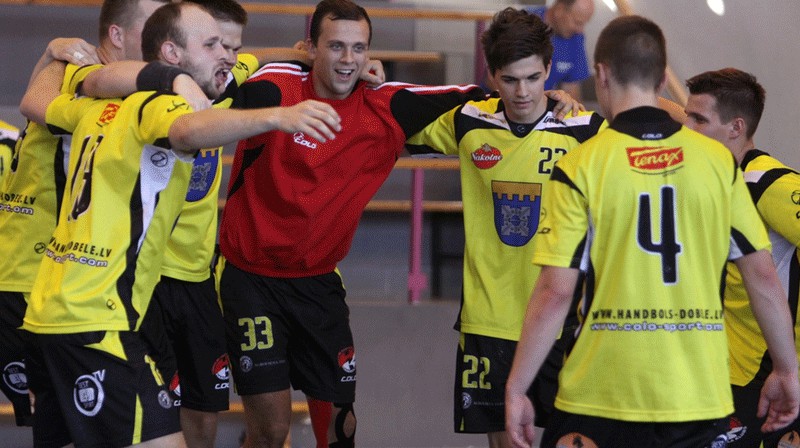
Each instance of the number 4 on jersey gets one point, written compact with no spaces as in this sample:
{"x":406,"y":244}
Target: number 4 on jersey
{"x":668,"y":248}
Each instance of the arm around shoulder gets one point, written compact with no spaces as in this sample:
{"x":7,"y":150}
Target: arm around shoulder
{"x":42,"y":91}
{"x":216,"y":127}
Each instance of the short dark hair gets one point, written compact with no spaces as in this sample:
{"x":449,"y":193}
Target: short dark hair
{"x":635,"y":51}
{"x":738,"y":94}
{"x":514,"y":35}
{"x":337,"y":10}
{"x":224,"y":10}
{"x":118,"y":12}
{"x":163,"y":26}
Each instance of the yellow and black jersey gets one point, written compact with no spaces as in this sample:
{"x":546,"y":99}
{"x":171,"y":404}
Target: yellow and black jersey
{"x":8,"y":139}
{"x":30,"y":195}
{"x":191,"y":246}
{"x":504,"y":168}
{"x":775,"y":189}
{"x":651,"y":211}
{"x":125,"y":188}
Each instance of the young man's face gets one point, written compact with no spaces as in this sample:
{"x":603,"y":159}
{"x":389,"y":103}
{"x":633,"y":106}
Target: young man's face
{"x":231,"y":40}
{"x":339,"y":56}
{"x":204,"y":56}
{"x":132,"y":35}
{"x":702,"y":116}
{"x":521,"y":87}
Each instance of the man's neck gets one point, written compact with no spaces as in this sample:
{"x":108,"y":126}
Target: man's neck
{"x":739,"y":149}
{"x":108,"y":54}
{"x":631,"y":98}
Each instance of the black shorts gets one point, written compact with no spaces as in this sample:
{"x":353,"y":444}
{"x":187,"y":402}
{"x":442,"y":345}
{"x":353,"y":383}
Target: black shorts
{"x":184,"y":321}
{"x":289,"y":331}
{"x":570,"y":430}
{"x":13,"y":345}
{"x":88,"y":395}
{"x":745,"y":426}
{"x":482,"y":367}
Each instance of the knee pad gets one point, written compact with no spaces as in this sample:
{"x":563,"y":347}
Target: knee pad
{"x":344,"y":440}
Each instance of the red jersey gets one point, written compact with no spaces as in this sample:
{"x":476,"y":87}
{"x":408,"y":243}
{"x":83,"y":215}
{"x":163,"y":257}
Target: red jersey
{"x":293,"y":202}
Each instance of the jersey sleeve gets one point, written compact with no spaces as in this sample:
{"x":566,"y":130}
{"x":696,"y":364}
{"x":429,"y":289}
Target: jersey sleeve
{"x":257,"y":93}
{"x":157,"y":114}
{"x":64,"y":113}
{"x":562,"y":235}
{"x":438,"y":136}
{"x":748,"y":233}
{"x":778,"y":204}
{"x":415,"y":107}
{"x":75,"y":75}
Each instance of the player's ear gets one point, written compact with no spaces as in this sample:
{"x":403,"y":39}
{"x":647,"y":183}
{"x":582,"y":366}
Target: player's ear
{"x":116,"y":35}
{"x":601,"y":74}
{"x":171,"y":53}
{"x":738,"y":128}
{"x":311,"y":49}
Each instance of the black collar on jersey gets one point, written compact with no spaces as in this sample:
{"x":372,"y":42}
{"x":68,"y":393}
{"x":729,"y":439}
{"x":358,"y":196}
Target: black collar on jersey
{"x":751,"y":155}
{"x":522,"y":129}
{"x":645,"y":123}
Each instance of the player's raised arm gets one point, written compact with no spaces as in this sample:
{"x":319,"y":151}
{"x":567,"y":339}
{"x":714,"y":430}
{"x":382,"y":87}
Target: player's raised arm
{"x":216,"y":127}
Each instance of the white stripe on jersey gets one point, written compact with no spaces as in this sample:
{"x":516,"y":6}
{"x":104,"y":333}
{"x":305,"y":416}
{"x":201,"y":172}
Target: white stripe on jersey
{"x":752,"y":177}
{"x":416,"y":88}
{"x":280,"y":67}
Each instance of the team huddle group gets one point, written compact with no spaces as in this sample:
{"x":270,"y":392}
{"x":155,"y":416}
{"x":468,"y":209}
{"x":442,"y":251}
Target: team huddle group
{"x":639,"y":315}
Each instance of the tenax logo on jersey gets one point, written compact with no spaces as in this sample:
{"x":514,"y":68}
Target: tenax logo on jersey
{"x":655,"y":158}
{"x":15,"y":378}
{"x":486,"y":157}
{"x":88,"y":394}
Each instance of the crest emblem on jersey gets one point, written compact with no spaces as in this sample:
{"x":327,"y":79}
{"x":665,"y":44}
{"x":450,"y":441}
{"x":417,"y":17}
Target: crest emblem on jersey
{"x":516,"y":211}
{"x":88,"y":394}
{"x":486,"y":157}
{"x":347,"y":359}
{"x":15,"y":378}
{"x":221,"y":368}
{"x":655,"y":159}
{"x":204,"y":170}
{"x":108,"y":114}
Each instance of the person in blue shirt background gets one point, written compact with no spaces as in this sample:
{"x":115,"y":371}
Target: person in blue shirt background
{"x":569,"y":67}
